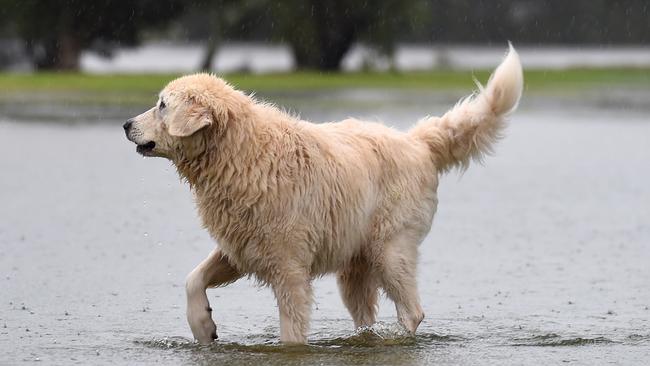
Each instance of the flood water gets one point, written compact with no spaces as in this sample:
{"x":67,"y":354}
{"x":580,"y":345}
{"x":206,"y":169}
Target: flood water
{"x":539,"y":257}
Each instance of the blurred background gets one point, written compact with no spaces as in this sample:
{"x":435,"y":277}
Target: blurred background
{"x":265,"y":36}
{"x":539,"y":257}
{"x":105,"y":53}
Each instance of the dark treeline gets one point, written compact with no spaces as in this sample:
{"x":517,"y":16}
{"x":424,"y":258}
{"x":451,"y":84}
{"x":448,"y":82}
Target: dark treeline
{"x":319,"y":32}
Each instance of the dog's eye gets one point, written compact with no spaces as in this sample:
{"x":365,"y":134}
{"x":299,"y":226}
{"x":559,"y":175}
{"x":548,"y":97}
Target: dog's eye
{"x":162,"y":105}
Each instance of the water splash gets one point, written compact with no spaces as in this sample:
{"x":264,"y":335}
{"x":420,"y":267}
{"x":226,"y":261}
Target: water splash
{"x":168,"y":343}
{"x":374,"y":335}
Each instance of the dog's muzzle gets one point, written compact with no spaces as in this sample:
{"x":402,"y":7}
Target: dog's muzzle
{"x":142,"y":148}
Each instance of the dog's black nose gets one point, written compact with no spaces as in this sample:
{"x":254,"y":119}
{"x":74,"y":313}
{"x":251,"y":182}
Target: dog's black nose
{"x":127,"y":125}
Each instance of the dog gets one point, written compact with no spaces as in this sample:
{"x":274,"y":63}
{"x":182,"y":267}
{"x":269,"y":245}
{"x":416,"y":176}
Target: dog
{"x":288,"y":200}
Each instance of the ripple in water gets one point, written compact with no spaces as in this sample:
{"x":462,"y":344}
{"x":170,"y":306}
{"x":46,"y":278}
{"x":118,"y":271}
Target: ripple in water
{"x":555,"y":340}
{"x":379,"y":334}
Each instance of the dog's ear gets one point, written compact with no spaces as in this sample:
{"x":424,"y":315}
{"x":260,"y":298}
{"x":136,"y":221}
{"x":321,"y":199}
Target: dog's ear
{"x":194,"y":119}
{"x":195,"y":116}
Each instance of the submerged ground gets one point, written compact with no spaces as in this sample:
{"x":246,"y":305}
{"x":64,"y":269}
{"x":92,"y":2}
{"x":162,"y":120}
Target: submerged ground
{"x":540,"y":256}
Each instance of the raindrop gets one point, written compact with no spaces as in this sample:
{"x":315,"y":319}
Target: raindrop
{"x":146,"y":234}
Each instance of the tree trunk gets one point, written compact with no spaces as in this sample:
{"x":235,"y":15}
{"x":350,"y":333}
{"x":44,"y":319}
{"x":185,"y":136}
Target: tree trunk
{"x":210,"y":51}
{"x":62,"y":50}
{"x":60,"y":53}
{"x":334,"y":31}
{"x":333,"y":49}
{"x":69,"y":53}
{"x":214,"y":39}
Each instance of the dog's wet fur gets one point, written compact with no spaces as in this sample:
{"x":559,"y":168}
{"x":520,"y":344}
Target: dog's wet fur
{"x":288,"y":200}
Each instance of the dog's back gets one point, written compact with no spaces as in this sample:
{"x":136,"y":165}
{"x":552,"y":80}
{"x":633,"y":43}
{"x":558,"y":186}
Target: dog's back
{"x":369,"y":182}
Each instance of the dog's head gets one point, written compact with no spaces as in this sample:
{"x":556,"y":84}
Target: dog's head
{"x":190,"y":111}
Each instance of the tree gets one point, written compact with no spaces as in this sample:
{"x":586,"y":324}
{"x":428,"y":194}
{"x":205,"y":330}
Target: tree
{"x":57,"y":31}
{"x":220,"y":17}
{"x":322,"y":31}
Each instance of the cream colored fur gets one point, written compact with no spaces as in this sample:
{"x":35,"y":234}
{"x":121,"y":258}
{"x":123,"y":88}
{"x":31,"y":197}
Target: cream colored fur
{"x":288,"y":200}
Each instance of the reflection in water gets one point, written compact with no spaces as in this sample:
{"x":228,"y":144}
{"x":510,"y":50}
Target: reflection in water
{"x":380,"y":344}
{"x":385,"y":344}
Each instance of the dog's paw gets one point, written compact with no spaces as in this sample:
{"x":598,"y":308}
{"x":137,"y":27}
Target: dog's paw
{"x":203,"y":327}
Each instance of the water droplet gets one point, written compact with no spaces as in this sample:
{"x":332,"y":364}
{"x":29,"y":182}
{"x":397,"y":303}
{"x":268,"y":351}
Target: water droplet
{"x":146,"y":234}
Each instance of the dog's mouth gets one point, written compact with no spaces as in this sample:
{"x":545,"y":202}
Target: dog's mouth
{"x":146,"y":149}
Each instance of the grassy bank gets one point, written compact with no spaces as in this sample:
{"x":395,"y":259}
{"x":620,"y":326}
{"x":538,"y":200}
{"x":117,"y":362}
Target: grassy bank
{"x":141,"y":88}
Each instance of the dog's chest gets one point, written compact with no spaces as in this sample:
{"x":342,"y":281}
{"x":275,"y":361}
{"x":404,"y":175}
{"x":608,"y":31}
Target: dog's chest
{"x":236,"y":228}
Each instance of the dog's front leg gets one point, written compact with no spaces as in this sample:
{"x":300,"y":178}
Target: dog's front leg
{"x":214,"y":271}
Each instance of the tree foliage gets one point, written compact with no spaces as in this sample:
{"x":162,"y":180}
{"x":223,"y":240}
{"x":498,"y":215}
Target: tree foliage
{"x":57,"y":31}
{"x":321,"y":32}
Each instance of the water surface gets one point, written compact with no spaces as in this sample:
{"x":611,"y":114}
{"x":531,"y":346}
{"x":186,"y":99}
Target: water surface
{"x":539,"y":257}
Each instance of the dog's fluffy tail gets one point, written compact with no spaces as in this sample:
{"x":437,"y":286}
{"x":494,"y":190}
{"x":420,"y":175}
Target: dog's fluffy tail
{"x":468,"y":131}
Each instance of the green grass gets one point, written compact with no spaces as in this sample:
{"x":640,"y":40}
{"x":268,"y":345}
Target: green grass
{"x":142,"y":88}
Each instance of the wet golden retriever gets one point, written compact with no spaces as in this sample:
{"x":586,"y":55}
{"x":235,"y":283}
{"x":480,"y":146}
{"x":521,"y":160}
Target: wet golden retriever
{"x":288,"y":200}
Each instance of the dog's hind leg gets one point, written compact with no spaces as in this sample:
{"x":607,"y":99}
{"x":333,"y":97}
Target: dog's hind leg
{"x":214,"y":271}
{"x":398,"y":276}
{"x":294,"y":295}
{"x":359,"y":290}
